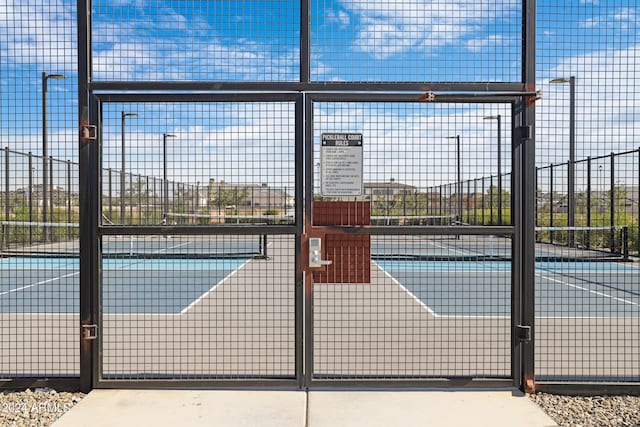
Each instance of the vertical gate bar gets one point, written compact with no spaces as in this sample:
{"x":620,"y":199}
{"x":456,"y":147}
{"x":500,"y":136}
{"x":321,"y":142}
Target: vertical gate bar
{"x":305,"y":51}
{"x":87,"y":194}
{"x":300,"y":215}
{"x":638,"y":210}
{"x":525,"y":229}
{"x":308,"y":280}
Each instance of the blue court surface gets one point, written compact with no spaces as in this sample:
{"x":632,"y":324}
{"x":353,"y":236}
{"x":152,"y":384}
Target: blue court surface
{"x":483,"y":288}
{"x":135,"y":286}
{"x":445,"y":287}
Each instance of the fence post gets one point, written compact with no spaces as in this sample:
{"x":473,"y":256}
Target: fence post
{"x":110,"y":198}
{"x":69,"y":230}
{"x":130,"y":198}
{"x":468,"y":202}
{"x":7,"y":203}
{"x":30,"y":198}
{"x":139,"y":191}
{"x":475,"y":201}
{"x":638,"y":211}
{"x":612,"y":202}
{"x":482,"y":200}
{"x":52,"y":232}
{"x":588,"y":242}
{"x":491,"y":201}
{"x":551,"y":202}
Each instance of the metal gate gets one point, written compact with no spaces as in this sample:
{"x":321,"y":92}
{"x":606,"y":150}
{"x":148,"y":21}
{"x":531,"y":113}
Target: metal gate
{"x":412,"y":274}
{"x":226,"y":240}
{"x":205,"y":247}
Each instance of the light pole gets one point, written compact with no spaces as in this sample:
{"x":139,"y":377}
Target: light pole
{"x":165,"y":184}
{"x":45,"y":149}
{"x":122,"y":170}
{"x":498,"y":118}
{"x":459,"y":175}
{"x":571,"y":173}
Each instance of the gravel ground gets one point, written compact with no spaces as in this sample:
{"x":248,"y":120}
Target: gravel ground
{"x":597,"y":411}
{"x":38,"y":408}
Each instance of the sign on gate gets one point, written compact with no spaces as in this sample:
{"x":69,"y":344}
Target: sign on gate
{"x":341,"y":164}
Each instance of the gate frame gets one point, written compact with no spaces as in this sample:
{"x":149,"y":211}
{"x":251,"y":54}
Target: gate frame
{"x":523,"y":201}
{"x":515,"y":231}
{"x":95,"y":291}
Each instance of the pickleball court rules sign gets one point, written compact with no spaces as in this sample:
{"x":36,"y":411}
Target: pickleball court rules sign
{"x":341,"y":164}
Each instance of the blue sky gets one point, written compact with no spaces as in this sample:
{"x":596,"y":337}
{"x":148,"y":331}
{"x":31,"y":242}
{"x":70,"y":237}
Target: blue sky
{"x":352,"y":40}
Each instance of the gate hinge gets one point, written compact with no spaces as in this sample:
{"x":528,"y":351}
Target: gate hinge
{"x":524,"y":132}
{"x":88,"y":133}
{"x":89,"y":332}
{"x":523,"y":333}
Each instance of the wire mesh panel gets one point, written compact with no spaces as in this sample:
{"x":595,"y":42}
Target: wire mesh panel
{"x":434,"y":305}
{"x":178,"y":40}
{"x":207,"y":304}
{"x":38,"y":110}
{"x":198,"y":307}
{"x":587,"y":329}
{"x":416,"y":41}
{"x":420,"y":161}
{"x":39,"y":286}
{"x":198,"y":163}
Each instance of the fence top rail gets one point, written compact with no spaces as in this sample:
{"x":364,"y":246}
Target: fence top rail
{"x":590,"y":158}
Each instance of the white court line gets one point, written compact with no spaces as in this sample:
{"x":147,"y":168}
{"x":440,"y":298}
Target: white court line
{"x":418,"y":300}
{"x":39,"y":283}
{"x":455,"y":251}
{"x":213,"y":288}
{"x":602,"y":294}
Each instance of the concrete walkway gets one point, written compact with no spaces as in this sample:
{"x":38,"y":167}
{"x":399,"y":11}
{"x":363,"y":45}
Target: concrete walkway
{"x":121,"y":408}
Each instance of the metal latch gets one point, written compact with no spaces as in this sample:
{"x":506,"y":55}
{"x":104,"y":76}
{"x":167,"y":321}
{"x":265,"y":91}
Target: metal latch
{"x":524,"y":132}
{"x":89,"y":332}
{"x":523,"y":333}
{"x":88,"y":132}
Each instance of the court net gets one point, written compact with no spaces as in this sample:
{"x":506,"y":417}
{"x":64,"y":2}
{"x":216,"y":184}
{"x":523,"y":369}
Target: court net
{"x":553,"y":244}
{"x":39,"y":239}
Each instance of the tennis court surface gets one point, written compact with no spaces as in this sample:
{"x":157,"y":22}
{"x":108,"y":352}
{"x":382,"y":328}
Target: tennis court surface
{"x":448,"y":275}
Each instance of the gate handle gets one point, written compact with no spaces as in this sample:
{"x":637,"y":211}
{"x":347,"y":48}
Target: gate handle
{"x":315,"y":250}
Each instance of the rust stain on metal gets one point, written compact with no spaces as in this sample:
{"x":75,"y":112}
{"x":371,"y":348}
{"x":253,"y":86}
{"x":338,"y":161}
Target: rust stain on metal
{"x":531,"y":99}
{"x":84,"y":344}
{"x":529,"y":385}
{"x":428,"y":96}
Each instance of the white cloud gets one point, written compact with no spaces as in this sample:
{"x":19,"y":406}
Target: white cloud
{"x":385,"y":31}
{"x":340,"y":17}
{"x":607,"y":105}
{"x":479,"y":45}
{"x":621,"y":19}
{"x":36,"y":32}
